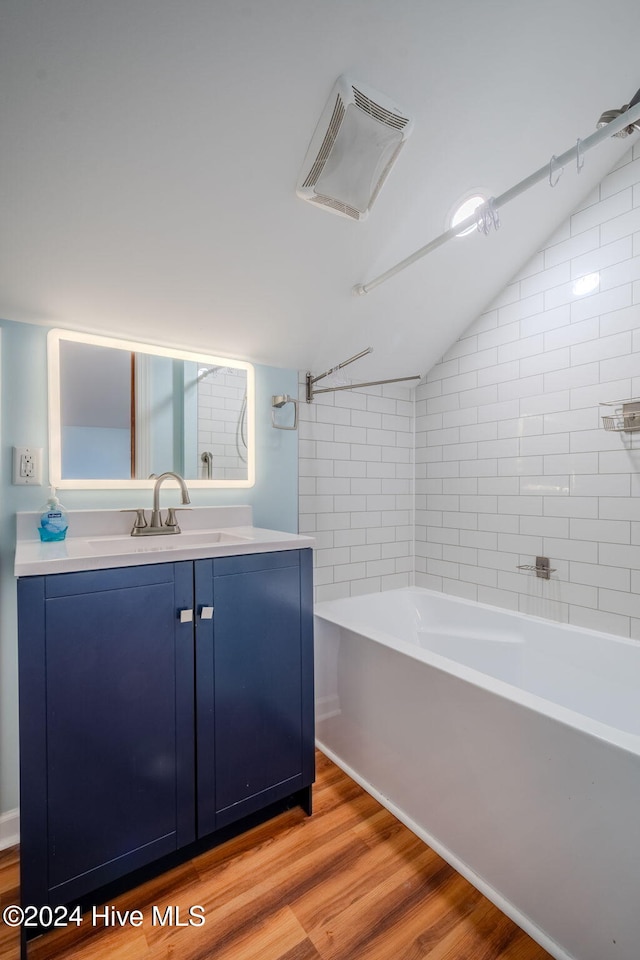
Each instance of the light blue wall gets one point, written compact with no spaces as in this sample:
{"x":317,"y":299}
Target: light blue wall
{"x":23,"y":408}
{"x":96,"y":452}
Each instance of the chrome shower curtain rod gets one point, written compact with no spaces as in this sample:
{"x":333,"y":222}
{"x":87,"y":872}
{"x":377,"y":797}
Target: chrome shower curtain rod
{"x":311,"y":393}
{"x":556,"y":164}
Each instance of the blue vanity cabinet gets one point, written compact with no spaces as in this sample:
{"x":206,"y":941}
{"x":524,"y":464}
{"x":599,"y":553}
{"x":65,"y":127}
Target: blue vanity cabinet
{"x":106,"y":725}
{"x":158,"y":704}
{"x":254,"y":676}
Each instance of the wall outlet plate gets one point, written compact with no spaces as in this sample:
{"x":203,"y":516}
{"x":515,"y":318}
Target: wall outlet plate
{"x":27,"y":466}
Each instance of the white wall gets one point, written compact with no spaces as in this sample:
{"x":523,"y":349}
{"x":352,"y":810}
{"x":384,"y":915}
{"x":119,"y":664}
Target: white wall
{"x":356,"y":488}
{"x":511,"y":457}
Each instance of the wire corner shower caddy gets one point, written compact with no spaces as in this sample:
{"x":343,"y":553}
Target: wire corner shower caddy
{"x":623,"y":416}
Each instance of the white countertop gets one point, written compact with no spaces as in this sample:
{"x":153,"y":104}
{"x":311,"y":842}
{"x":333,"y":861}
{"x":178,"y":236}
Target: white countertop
{"x":99,"y":539}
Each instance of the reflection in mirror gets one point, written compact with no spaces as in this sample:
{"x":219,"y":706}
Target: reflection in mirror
{"x":121,"y":411}
{"x":222,"y":422}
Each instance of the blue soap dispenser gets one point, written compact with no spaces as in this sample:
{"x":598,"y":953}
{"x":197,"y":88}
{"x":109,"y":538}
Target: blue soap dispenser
{"x":53,"y":520}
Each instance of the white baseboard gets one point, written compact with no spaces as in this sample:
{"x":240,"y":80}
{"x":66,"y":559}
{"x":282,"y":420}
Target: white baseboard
{"x":9,"y":829}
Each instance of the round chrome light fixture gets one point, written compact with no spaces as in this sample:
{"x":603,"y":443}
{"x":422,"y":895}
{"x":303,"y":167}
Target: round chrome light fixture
{"x":465,"y":210}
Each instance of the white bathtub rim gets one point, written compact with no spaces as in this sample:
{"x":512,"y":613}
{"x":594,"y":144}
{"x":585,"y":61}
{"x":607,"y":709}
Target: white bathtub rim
{"x":501,"y":902}
{"x":611,"y":735}
{"x":326,"y":608}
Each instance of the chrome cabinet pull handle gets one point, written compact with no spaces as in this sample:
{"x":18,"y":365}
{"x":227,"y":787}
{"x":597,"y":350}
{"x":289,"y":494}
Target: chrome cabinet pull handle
{"x":206,"y":613}
{"x":186,"y":616}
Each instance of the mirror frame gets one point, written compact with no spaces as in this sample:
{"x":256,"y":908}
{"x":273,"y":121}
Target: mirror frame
{"x":55,"y":435}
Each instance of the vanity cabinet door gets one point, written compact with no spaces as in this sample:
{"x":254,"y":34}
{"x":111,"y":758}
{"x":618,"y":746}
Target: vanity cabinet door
{"x":106,"y":714}
{"x":254,"y":677}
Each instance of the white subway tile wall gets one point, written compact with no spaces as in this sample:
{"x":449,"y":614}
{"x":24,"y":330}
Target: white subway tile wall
{"x":356,"y":489}
{"x":512,"y":460}
{"x":221,"y":424}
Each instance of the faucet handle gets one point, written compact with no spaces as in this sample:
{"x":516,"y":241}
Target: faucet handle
{"x":140,"y":521}
{"x":171,"y":520}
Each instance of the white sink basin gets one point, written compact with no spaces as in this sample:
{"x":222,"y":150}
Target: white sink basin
{"x":171,"y":541}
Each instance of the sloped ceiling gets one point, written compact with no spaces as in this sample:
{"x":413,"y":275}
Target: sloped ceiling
{"x":150,"y":151}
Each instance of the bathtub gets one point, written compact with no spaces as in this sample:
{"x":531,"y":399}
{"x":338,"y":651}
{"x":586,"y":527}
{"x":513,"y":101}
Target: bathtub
{"x":509,"y":744}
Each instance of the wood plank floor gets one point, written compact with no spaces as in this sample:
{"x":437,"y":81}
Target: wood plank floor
{"x":348,"y":883}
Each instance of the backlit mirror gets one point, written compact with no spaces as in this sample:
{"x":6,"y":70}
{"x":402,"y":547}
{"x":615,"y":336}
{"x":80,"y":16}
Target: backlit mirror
{"x":120,"y":411}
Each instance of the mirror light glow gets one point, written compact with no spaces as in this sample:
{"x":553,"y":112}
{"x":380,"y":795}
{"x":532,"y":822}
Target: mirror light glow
{"x":204,"y":361}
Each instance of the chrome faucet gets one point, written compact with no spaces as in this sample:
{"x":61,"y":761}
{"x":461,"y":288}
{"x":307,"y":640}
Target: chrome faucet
{"x":156,"y":526}
{"x":156,"y":517}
